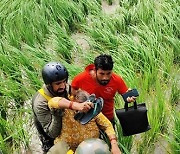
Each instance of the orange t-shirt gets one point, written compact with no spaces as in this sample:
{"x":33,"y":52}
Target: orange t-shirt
{"x":85,"y":82}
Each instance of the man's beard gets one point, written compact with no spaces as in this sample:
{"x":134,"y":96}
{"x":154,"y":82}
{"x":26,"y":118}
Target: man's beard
{"x":103,"y":82}
{"x":61,"y":92}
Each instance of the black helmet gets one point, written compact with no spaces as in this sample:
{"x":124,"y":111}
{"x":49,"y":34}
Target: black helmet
{"x":54,"y":71}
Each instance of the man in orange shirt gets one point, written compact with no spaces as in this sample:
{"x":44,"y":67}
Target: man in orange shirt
{"x":98,"y":78}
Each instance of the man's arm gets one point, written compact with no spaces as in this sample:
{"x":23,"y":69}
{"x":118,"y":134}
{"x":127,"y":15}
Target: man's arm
{"x":122,"y":89}
{"x":105,"y":124}
{"x":114,"y":145}
{"x":63,"y":103}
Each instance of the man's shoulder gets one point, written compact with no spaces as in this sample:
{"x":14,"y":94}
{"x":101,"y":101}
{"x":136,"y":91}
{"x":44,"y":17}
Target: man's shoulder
{"x":89,"y":67}
{"x":38,"y":102}
{"x":116,"y":76}
{"x":37,"y":98}
{"x":81,"y":75}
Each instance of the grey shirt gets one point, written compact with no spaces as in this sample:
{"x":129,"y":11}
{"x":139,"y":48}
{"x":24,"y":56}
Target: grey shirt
{"x":50,"y":121}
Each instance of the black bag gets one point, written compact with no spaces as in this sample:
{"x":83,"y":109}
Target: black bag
{"x":133,"y":119}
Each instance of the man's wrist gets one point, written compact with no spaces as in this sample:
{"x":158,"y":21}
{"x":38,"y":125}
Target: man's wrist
{"x":113,"y":139}
{"x":71,"y":105}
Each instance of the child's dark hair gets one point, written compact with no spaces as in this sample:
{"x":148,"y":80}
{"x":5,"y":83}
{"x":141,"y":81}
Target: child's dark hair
{"x":103,"y":62}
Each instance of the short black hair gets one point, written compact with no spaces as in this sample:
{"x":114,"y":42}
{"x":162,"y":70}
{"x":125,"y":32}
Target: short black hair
{"x":103,"y":62}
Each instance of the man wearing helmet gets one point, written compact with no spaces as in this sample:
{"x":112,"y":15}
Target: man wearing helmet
{"x":48,"y":121}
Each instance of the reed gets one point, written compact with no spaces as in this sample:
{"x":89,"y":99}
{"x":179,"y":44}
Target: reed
{"x":142,"y":37}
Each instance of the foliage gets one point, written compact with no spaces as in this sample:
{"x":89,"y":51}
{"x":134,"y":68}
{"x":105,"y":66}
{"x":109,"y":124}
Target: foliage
{"x":142,"y":37}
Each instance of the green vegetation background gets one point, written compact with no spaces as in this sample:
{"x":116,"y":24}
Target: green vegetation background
{"x":142,"y":36}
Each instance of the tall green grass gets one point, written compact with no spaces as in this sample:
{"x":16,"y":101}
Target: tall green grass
{"x":175,"y":141}
{"x":142,"y":37}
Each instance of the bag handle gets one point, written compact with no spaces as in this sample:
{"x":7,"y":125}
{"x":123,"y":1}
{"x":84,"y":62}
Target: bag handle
{"x":126,"y":106}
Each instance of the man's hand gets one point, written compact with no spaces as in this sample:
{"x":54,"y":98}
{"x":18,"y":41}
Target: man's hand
{"x":130,"y":95}
{"x":54,"y":102}
{"x":83,"y":107}
{"x":131,"y":99}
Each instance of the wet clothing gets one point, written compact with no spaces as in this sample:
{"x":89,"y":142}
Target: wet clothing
{"x":48,"y":122}
{"x":86,"y":82}
{"x":73,"y":132}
